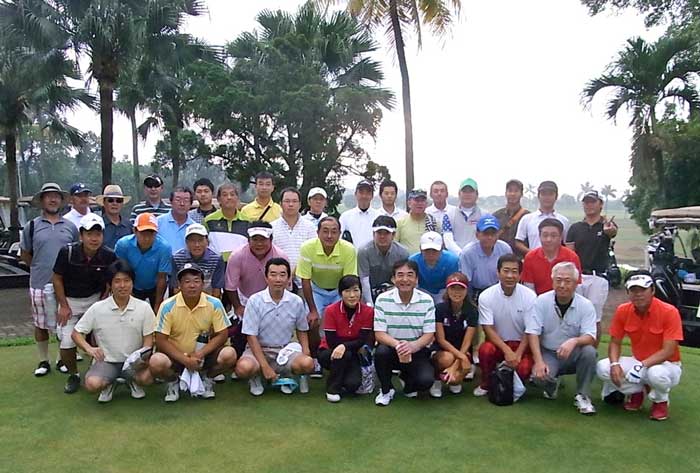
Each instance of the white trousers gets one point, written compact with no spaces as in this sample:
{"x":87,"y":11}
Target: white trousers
{"x":660,"y":378}
{"x":595,"y":289}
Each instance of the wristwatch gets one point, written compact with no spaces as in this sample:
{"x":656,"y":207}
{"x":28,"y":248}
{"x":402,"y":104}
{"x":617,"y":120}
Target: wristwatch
{"x":615,"y":363}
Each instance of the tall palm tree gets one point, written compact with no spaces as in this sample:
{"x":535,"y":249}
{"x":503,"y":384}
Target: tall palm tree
{"x":608,"y":191}
{"x":585,"y":187}
{"x":643,"y":76}
{"x":395,"y":17}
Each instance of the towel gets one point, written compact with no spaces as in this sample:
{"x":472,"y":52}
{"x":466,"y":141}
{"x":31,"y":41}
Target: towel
{"x":191,"y":382}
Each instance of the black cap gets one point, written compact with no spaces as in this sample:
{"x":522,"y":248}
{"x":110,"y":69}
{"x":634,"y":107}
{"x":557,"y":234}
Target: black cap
{"x":591,"y":195}
{"x":190,"y":268}
{"x":364,"y":183}
{"x":548,"y":186}
{"x":153,"y":179}
{"x":416,"y":193}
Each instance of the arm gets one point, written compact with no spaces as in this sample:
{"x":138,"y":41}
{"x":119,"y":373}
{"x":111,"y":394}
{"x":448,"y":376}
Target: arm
{"x":64,"y":312}
{"x":94,"y":352}
{"x":265,"y":367}
{"x":521,"y":247}
{"x":161,"y":284}
{"x":303,"y":337}
{"x":385,"y":339}
{"x":238,"y":308}
{"x":366,"y":290}
{"x":168,"y":348}
{"x":617,"y":375}
{"x":667,"y":350}
{"x":450,"y":244}
{"x":309,"y":298}
{"x":540,"y":370}
{"x":493,"y":337}
{"x":26,"y":257}
{"x":444,"y":344}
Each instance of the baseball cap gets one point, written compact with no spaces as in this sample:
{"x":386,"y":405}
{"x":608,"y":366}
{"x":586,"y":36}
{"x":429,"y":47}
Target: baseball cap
{"x":416,"y":193}
{"x":262,"y":231}
{"x":153,"y":180}
{"x":639,"y":280}
{"x":548,"y":186}
{"x":384,"y":222}
{"x":364,"y":183}
{"x":591,"y":195}
{"x":456,"y":280}
{"x":487,"y":221}
{"x":469,"y":182}
{"x":431,"y":241}
{"x":317,"y":191}
{"x":190,"y":268}
{"x":146,"y":221}
{"x":89,"y":221}
{"x":196,"y":229}
{"x":79,"y":188}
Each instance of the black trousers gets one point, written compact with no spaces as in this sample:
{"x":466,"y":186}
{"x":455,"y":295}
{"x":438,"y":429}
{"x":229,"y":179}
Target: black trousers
{"x":344,"y":373}
{"x":418,"y":375}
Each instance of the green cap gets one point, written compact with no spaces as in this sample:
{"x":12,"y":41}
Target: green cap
{"x":469,"y":182}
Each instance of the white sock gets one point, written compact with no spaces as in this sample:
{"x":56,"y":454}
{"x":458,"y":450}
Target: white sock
{"x":43,"y":348}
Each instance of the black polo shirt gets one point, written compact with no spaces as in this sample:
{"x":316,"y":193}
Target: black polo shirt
{"x":455,"y":325}
{"x":83,"y":277}
{"x":591,"y":245}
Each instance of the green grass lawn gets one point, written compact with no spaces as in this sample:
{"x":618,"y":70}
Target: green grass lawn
{"x":43,"y":429}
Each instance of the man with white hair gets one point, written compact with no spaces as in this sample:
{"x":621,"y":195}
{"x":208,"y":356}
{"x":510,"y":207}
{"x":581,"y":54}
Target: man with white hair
{"x":562,"y":332}
{"x":654,"y":329}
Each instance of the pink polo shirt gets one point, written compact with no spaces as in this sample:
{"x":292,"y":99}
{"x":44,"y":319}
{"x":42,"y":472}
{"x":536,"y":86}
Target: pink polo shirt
{"x":246,"y":273}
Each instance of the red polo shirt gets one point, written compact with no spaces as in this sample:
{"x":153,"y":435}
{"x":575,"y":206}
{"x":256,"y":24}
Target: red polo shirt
{"x":335,"y":318}
{"x":537,"y":269}
{"x":647,"y":333}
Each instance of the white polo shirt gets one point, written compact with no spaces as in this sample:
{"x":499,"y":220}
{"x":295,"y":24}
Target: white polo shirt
{"x":529,"y":232}
{"x":507,"y":314}
{"x":289,"y":239}
{"x":396,"y":214}
{"x":359,"y":224}
{"x":439,"y":213}
{"x":75,"y":217}
{"x":553,"y":329}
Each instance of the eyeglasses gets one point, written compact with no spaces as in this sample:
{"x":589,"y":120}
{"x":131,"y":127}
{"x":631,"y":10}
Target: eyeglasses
{"x":153,"y":186}
{"x":113,"y":200}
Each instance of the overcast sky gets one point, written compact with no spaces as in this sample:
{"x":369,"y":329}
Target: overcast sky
{"x":499,"y":99}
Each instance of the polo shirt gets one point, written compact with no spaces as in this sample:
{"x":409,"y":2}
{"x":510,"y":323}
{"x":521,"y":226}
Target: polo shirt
{"x":146,"y":207}
{"x":434,"y":279}
{"x":173,"y":232}
{"x":529,"y":232}
{"x":507,"y":233}
{"x":591,"y":245}
{"x":507,"y":314}
{"x":537,"y":269}
{"x":198,"y":215}
{"x":438,"y":214}
{"x":311,"y":218}
{"x":480,"y":268}
{"x":254,"y":210}
{"x":83,"y":276}
{"x":245,"y":273}
{"x":455,"y":325}
{"x":459,"y":227}
{"x":146,"y":264}
{"x":273,"y":323}
{"x":378,"y":266}
{"x":289,"y":239}
{"x":648,"y":332}
{"x":409,"y":231}
{"x":359,"y":224}
{"x":553,"y":329}
{"x":335,"y":319}
{"x":114,"y":232}
{"x":74,"y":216}
{"x":183,"y":325}
{"x":44,"y":245}
{"x":211,"y":264}
{"x":226,"y":236}
{"x":396,"y":214}
{"x":402,"y":321}
{"x":118,"y":333}
{"x":326,"y":270}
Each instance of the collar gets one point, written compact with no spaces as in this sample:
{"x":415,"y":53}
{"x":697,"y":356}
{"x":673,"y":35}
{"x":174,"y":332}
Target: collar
{"x":180,"y":301}
{"x":113,"y":304}
{"x":267,"y":298}
{"x":364,"y":212}
{"x":553,"y":213}
{"x":258,"y":205}
{"x":415,"y":297}
{"x":335,"y":252}
{"x":188,"y":220}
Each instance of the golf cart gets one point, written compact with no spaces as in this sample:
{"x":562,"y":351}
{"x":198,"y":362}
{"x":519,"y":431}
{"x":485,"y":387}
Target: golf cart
{"x":673,"y":257}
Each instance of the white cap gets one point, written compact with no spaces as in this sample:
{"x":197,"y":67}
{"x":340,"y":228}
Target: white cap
{"x":196,"y":229}
{"x":639,"y":280}
{"x":317,"y":191}
{"x":431,"y":241}
{"x":262,"y":231}
{"x":89,"y":221}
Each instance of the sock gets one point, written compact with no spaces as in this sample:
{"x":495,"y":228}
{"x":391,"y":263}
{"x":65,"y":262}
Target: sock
{"x":43,"y":348}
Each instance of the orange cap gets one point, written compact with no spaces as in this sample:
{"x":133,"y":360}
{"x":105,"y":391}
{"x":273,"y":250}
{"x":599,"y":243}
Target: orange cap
{"x":146,"y":221}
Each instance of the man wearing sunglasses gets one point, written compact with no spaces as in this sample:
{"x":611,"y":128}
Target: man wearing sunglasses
{"x":154,"y":204}
{"x":112,"y":202}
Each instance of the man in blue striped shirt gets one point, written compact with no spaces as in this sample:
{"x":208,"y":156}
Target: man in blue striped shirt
{"x":197,"y":251}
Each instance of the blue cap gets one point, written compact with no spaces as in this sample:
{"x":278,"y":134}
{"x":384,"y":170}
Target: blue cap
{"x":79,"y":188}
{"x":488,"y":221}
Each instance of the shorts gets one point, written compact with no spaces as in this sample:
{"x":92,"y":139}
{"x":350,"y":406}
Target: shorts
{"x":43,"y":310}
{"x":271,"y":353}
{"x":209,"y":362}
{"x":78,"y":307}
{"x":106,"y":370}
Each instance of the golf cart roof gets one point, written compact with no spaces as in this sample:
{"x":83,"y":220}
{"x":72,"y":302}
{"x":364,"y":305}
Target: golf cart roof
{"x":682,"y":216}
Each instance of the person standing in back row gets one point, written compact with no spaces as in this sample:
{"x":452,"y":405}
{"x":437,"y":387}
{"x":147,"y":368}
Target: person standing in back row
{"x":203,"y":191}
{"x":262,"y":207}
{"x":459,"y":226}
{"x":388,"y":191}
{"x":440,"y":206}
{"x":80,"y":203}
{"x":510,"y":215}
{"x":356,"y":223}
{"x":411,"y":228}
{"x":154,"y":204}
{"x":527,"y":236}
{"x":317,"y":200}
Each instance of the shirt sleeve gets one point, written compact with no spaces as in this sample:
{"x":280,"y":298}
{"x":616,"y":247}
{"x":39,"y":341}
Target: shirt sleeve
{"x":119,"y":248}
{"x":533,"y":319}
{"x":329,"y":318}
{"x":379,"y":318}
{"x":165,"y":263}
{"x":472,"y":316}
{"x":363,"y":263}
{"x":521,"y":232}
{"x":220,"y":321}
{"x":86,"y":323}
{"x":588,"y":320}
{"x":218,"y":278}
{"x":571,"y":234}
{"x":233,"y":272}
{"x":61,"y":265}
{"x":485,"y":311}
{"x":302,"y":323}
{"x":26,"y":242}
{"x":304,"y":269}
{"x":429,"y":320}
{"x":164,"y":324}
{"x":251,"y":323}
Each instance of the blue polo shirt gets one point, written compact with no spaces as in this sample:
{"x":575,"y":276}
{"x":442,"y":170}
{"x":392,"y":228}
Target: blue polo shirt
{"x":433,"y":279}
{"x":146,"y":265}
{"x":480,"y":268}
{"x":173,"y":232}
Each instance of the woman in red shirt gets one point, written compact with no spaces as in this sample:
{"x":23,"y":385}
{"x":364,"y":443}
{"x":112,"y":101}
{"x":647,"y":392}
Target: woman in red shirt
{"x":348,"y":326}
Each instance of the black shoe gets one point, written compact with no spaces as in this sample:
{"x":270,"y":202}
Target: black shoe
{"x":61,"y":367}
{"x":614,"y":398}
{"x":43,"y":369}
{"x":72,"y":385}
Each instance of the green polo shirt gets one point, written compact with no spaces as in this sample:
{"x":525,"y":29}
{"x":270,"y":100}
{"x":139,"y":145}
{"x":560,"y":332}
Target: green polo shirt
{"x":326,"y":270}
{"x":226,"y":235}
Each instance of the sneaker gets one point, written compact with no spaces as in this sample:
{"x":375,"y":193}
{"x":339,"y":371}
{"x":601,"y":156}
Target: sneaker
{"x":317,"y":373}
{"x":470,"y":375}
{"x":584,"y":405}
{"x":384,"y":399}
{"x":475,"y":357}
{"x":256,"y":386}
{"x":286,"y":389}
{"x":106,"y":393}
{"x":172,"y":392}
{"x":72,"y":384}
{"x":137,"y":391}
{"x":78,"y":356}
{"x":659,"y":411}
{"x":61,"y":367}
{"x":634,"y":401}
{"x":221,"y":378}
{"x":410,"y":394}
{"x":436,"y":389}
{"x":614,"y":398}
{"x":455,"y":388}
{"x":42,"y":369}
{"x":552,"y":393}
{"x":303,"y":384}
{"x":208,"y":388}
{"x":234,"y":376}
{"x":332,"y":397}
{"x":479,"y":391}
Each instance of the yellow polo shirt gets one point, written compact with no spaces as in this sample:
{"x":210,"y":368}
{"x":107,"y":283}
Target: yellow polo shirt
{"x":254,"y":210}
{"x":408,"y":233}
{"x":326,"y":270}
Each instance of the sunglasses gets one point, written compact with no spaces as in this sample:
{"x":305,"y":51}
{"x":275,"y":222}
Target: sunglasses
{"x":113,"y":200}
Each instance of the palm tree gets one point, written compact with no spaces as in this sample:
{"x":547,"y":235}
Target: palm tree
{"x":394,"y":17}
{"x":608,"y":191}
{"x":642,"y":77}
{"x":585,"y":187}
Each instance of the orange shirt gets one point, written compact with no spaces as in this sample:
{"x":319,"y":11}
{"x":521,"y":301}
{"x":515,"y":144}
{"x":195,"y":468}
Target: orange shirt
{"x":647,"y":334}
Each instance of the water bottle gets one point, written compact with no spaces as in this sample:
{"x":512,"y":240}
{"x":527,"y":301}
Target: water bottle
{"x":202,"y":340}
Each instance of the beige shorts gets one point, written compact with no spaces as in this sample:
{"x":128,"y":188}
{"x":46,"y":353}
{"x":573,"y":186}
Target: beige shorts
{"x":78,"y":307}
{"x":285,"y":370}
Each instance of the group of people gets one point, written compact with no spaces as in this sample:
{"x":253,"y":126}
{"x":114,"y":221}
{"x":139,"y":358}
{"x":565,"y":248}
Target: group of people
{"x":184,"y":294}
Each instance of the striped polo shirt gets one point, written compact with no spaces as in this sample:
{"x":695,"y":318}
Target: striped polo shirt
{"x":404,"y":321}
{"x":145,"y":206}
{"x":211,"y":264}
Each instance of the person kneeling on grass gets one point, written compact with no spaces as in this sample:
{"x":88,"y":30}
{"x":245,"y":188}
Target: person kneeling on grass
{"x":404,"y":326}
{"x":121,"y":324}
{"x":348,"y":327}
{"x":456,"y":322}
{"x":191,"y":330}
{"x":654,"y":328}
{"x":270,"y":317}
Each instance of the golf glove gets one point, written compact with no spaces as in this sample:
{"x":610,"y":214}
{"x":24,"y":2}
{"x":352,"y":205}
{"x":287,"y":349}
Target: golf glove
{"x":636,"y":373}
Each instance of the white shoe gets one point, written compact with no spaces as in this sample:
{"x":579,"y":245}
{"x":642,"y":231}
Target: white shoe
{"x":137,"y":391}
{"x":286,"y":389}
{"x":78,"y":356}
{"x":436,"y":389}
{"x":303,"y":384}
{"x":332,"y":397}
{"x":106,"y":393}
{"x":384,"y":399}
{"x":475,"y":357}
{"x":317,"y":373}
{"x":256,"y":386}
{"x":219,"y":378}
{"x":208,"y":388}
{"x":455,"y":388}
{"x":584,"y":405}
{"x":411,"y":395}
{"x":478,"y":392}
{"x":172,"y":393}
{"x":472,"y":371}
{"x":234,"y":376}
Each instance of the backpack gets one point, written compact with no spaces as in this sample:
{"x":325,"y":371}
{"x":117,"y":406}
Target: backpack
{"x":501,"y":386}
